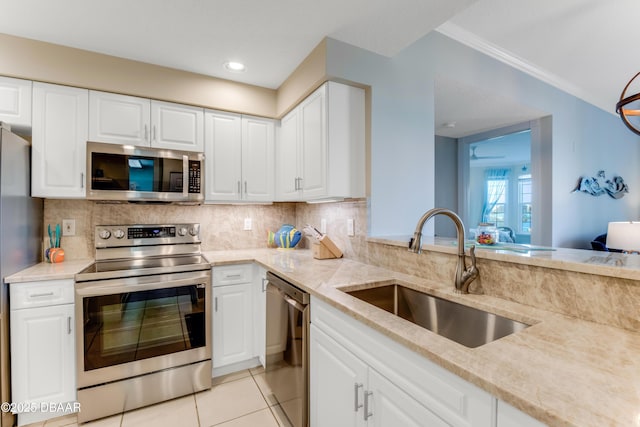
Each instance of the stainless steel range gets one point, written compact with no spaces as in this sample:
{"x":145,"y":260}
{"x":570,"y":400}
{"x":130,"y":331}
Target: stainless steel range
{"x":143,"y":316}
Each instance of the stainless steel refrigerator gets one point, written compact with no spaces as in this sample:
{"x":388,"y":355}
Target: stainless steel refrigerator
{"x":21,"y":225}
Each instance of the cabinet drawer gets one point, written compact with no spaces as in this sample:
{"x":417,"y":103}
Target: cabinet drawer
{"x":41,"y":294}
{"x":232,"y":274}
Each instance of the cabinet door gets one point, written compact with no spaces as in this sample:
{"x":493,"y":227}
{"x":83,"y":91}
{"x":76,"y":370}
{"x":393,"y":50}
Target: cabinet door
{"x":232,"y":324}
{"x":60,"y":121}
{"x":43,"y":355}
{"x":287,"y":182}
{"x":15,"y":102}
{"x":389,"y":405}
{"x":508,"y":416}
{"x":313,"y":139}
{"x":177,"y":126}
{"x":337,"y":384}
{"x":119,"y":119}
{"x":223,"y":156}
{"x":258,"y":159}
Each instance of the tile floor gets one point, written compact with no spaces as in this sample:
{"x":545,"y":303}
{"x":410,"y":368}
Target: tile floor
{"x":240,"y":399}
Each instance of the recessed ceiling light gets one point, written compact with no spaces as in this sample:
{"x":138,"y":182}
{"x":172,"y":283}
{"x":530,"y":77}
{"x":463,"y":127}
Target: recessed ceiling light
{"x":237,"y":67}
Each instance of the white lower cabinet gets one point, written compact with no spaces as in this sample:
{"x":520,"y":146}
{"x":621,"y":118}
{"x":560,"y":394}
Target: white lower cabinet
{"x":238,"y":318}
{"x":508,"y":416}
{"x":43,"y":382}
{"x":360,"y":377}
{"x":232,"y":324}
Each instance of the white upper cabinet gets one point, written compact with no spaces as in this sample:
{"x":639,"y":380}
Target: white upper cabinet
{"x":320,"y":152}
{"x":15,"y":102}
{"x":287,"y":181}
{"x":59,"y":140}
{"x":122,"y":119}
{"x":239,"y":156}
{"x":258,"y":160}
{"x":119,"y":119}
{"x":223,"y":156}
{"x":177,"y":127}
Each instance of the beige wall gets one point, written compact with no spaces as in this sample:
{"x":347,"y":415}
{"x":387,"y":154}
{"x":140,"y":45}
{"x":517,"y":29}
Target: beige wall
{"x":309,"y":75}
{"x":47,"y":62}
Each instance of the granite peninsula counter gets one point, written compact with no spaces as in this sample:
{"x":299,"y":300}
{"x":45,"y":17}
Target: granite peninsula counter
{"x":563,"y":371}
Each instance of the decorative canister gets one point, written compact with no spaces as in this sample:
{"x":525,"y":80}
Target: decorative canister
{"x":486,"y":234}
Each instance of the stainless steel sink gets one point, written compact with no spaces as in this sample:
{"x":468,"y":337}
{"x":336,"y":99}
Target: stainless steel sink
{"x":468,"y":326}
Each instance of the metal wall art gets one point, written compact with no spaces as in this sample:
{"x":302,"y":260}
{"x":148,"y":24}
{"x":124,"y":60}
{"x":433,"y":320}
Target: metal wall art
{"x":599,"y":185}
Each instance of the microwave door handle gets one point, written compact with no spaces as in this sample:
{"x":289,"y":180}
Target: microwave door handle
{"x":185,"y":176}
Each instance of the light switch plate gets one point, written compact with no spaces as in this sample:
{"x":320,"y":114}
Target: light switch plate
{"x":68,"y":227}
{"x":351,"y":227}
{"x":247,"y":224}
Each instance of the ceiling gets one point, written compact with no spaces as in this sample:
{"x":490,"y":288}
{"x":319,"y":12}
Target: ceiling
{"x":270,"y":37}
{"x":585,"y":47}
{"x":462,"y":110}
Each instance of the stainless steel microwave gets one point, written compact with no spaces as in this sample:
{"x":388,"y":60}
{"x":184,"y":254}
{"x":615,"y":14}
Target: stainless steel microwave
{"x":143,"y":174}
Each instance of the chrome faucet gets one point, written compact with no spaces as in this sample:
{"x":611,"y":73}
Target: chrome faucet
{"x":464,"y":275}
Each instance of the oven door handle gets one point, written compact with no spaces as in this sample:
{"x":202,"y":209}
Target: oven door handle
{"x":116,"y":286}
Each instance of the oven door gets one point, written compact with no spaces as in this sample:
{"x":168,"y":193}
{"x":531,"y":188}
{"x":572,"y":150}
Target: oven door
{"x":135,"y":326}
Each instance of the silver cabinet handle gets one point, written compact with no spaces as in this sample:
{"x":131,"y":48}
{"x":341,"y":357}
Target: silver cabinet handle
{"x":215,"y":303}
{"x":146,"y":133}
{"x":295,"y":184}
{"x":81,"y":179}
{"x":153,"y":133}
{"x":45,"y":294}
{"x":233,"y":276}
{"x":245,"y":187}
{"x":367,"y":414}
{"x":69,"y":325}
{"x":239,"y":189}
{"x":356,"y":404}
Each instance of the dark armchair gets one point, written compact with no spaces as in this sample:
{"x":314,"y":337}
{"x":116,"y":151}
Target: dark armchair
{"x":600,"y":243}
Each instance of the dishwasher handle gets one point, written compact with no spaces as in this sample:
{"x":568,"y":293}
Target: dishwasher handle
{"x":294,"y":303}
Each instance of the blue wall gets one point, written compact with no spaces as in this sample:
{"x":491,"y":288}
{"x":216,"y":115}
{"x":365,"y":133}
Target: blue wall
{"x":585,"y":138}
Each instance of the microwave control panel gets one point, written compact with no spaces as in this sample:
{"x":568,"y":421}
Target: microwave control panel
{"x":195,"y":172}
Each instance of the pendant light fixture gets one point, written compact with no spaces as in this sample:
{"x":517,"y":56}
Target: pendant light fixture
{"x":627,"y":111}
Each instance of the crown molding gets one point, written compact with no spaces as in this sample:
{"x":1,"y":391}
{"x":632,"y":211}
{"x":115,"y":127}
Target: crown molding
{"x":475,"y":42}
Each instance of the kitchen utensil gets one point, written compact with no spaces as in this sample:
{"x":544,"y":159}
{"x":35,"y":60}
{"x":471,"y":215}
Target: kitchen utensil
{"x":50,"y":235}
{"x":58,"y":234}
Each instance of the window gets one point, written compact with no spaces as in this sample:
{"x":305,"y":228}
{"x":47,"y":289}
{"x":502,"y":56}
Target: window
{"x":524,"y":204}
{"x":497,"y":190}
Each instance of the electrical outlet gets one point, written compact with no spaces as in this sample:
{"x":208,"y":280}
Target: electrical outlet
{"x":68,"y":227}
{"x":247,"y":224}
{"x":351,"y":227}
{"x":323,"y":226}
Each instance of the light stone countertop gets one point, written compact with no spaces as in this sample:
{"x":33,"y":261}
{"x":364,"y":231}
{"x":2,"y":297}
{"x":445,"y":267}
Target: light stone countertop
{"x":612,"y":264}
{"x":49,"y":271}
{"x":561,"y":370}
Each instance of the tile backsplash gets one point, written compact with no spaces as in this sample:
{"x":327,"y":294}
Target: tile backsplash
{"x":222,"y":226}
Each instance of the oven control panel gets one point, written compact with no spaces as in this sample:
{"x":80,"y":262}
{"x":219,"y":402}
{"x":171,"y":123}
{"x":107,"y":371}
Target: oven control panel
{"x":107,"y":236}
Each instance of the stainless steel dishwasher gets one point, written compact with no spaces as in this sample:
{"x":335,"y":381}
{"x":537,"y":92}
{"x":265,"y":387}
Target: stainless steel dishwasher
{"x":287,"y":348}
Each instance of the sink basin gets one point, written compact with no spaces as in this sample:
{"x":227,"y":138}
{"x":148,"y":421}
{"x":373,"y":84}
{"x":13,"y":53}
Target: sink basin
{"x":465,"y":325}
